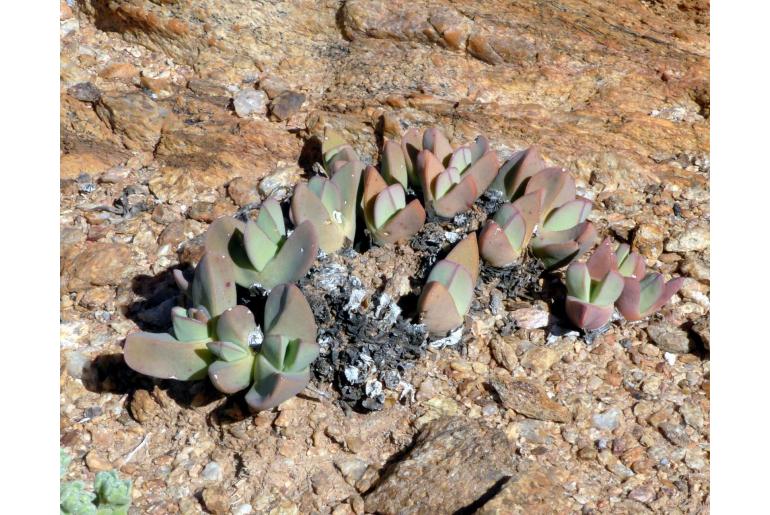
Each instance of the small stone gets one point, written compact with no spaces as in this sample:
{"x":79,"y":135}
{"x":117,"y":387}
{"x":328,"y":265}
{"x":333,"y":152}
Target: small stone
{"x":243,"y":191}
{"x":530,"y":318}
{"x":286,"y":104}
{"x":670,"y":338}
{"x":216,"y":500}
{"x":643,"y":494}
{"x":172,"y":235}
{"x":76,"y":363}
{"x":250,"y":101}
{"x":101,"y":264}
{"x":695,"y":458}
{"x":692,"y":239}
{"x":703,"y":331}
{"x":280,"y":181}
{"x":608,"y":420}
{"x":352,"y":469}
{"x":212,"y":472}
{"x":674,"y":433}
{"x":243,"y":509}
{"x":504,"y":353}
{"x":541,"y":359}
{"x":96,"y":462}
{"x":85,"y":92}
{"x":164,"y":214}
{"x":692,"y":414}
{"x":119,"y":71}
{"x":648,"y":240}
{"x":173,"y":185}
{"x":529,"y":399}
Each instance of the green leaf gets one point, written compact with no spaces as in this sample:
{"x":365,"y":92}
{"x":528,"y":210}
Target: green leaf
{"x":224,"y":237}
{"x":461,"y":159}
{"x":307,"y":207}
{"x":270,"y":220}
{"x":348,"y":180}
{"x":445,"y":181}
{"x":479,"y":147}
{"x":293,"y":260}
{"x":161,"y":356}
{"x":299,"y":355}
{"x":608,"y":290}
{"x":259,"y":246}
{"x":394,"y":164}
{"x":435,"y":141}
{"x":466,"y":254}
{"x":232,"y":376}
{"x":271,"y":388}
{"x":188,"y":329}
{"x":287,"y":313}
{"x":650,"y":290}
{"x":569,"y":215}
{"x":327,"y":192}
{"x":390,"y":200}
{"x":214,"y":284}
{"x":457,"y":281}
{"x":558,"y":186}
{"x":227,"y":351}
{"x":411,"y":145}
{"x":495,"y":247}
{"x":579,"y":281}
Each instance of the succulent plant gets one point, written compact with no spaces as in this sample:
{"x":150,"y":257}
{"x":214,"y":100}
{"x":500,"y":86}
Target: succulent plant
{"x":330,"y":204}
{"x":262,"y":252}
{"x":564,"y":233}
{"x":387,"y":215}
{"x":112,"y":496}
{"x":113,"y":493}
{"x":513,"y":175}
{"x":64,"y":462}
{"x":230,"y":348}
{"x":75,"y":500}
{"x":507,"y":234}
{"x":643,"y":296}
{"x":448,"y":292}
{"x":592,"y":288}
{"x":452,"y":181}
{"x":629,"y":263}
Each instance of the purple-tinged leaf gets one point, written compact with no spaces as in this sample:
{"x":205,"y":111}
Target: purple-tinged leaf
{"x":428,"y":167}
{"x":394,"y":164}
{"x":602,"y":261}
{"x":557,"y":249}
{"x":161,"y":356}
{"x":445,"y":181}
{"x":327,"y":192}
{"x":513,"y":175}
{"x":411,"y":145}
{"x":631,"y":264}
{"x":214,"y":285}
{"x":479,"y":147}
{"x":232,"y":377}
{"x":307,"y":207}
{"x":331,"y":139}
{"x":435,"y":141}
{"x":559,"y":187}
{"x":458,"y":199}
{"x":495,"y":247}
{"x":270,"y":220}
{"x":181,"y":282}
{"x":390,"y":200}
{"x":293,"y":260}
{"x":587,"y":316}
{"x":272,"y":388}
{"x":405,"y":224}
{"x":457,"y":281}
{"x":437,"y":309}
{"x":483,"y":171}
{"x":236,"y":325}
{"x":650,"y":290}
{"x":466,"y":254}
{"x":224,"y":237}
{"x":287,"y":313}
{"x":461,"y":159}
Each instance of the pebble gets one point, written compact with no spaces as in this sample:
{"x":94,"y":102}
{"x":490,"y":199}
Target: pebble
{"x":692,"y":239}
{"x":530,"y":318}
{"x":212,"y":472}
{"x":250,"y":101}
{"x":352,"y":469}
{"x":670,"y":338}
{"x":76,"y":362}
{"x":243,"y":509}
{"x":695,"y":458}
{"x":608,"y":421}
{"x":643,"y":494}
{"x":85,"y":92}
{"x":96,"y":462}
{"x":286,"y":104}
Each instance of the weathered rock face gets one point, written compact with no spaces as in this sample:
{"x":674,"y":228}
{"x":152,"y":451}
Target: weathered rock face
{"x":454,"y":462}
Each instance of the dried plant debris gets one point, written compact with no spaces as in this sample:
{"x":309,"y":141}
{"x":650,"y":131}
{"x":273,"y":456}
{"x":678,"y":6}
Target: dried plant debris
{"x":367,"y":343}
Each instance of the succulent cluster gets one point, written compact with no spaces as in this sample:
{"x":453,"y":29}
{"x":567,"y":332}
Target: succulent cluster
{"x":614,"y":278}
{"x":216,"y":338}
{"x":111,"y":495}
{"x":542,"y":198}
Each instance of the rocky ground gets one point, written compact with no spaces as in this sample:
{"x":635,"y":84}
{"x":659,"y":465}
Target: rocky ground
{"x":174,"y":113}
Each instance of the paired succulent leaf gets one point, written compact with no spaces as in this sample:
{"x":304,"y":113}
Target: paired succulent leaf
{"x":259,"y":252}
{"x":559,"y":248}
{"x":642,"y":297}
{"x":503,"y":239}
{"x":74,"y":499}
{"x":112,"y":491}
{"x":387,"y":215}
{"x":630,"y":264}
{"x":448,"y":292}
{"x":513,"y":176}
{"x":112,"y":496}
{"x":468,"y":173}
{"x":281,"y":369}
{"x":592,"y":288}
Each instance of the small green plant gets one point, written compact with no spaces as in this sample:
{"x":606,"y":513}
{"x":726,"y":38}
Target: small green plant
{"x":592,"y":288}
{"x":387,"y":215}
{"x":111,"y":495}
{"x":262,"y":252}
{"x":506,"y":236}
{"x":230,"y":348}
{"x":514,"y":173}
{"x":448,"y":292}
